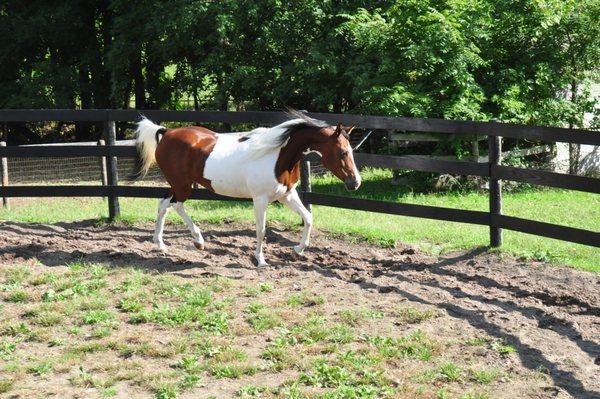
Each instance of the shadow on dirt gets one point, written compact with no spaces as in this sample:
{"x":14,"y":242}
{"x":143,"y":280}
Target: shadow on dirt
{"x":530,"y":357}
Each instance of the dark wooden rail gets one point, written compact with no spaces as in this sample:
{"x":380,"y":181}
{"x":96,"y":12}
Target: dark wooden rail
{"x":492,"y":169}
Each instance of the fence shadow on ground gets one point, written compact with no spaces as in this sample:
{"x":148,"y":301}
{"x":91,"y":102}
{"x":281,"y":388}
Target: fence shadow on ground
{"x":530,"y":356}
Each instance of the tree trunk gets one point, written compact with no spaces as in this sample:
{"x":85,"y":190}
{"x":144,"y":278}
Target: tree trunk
{"x":196,"y":102}
{"x":100,"y":75}
{"x":82,"y":129}
{"x":127,"y":95}
{"x":156,"y":97}
{"x":138,"y":81}
{"x":574,"y":149}
{"x":222,"y":102}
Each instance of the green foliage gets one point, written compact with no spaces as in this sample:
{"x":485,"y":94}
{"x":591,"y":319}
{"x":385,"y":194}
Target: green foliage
{"x":457,"y":59}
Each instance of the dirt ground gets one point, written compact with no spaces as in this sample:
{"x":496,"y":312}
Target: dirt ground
{"x":551,"y":315}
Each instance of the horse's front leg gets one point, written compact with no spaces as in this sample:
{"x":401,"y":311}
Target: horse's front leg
{"x":260,"y":213}
{"x":292,"y":200}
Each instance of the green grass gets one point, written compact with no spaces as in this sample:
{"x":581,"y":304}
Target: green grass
{"x":411,"y":315}
{"x":168,"y":336}
{"x":486,"y":376}
{"x":569,"y":208}
{"x":261,"y":319}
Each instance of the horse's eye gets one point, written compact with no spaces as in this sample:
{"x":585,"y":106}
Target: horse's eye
{"x":344,"y":154}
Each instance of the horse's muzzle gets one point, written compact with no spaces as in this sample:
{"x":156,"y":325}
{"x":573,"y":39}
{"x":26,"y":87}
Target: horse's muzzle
{"x":352,"y":184}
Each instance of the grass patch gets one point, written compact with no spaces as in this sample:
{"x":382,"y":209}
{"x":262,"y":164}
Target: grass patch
{"x":486,"y":376}
{"x":161,"y":335}
{"x":255,"y":291}
{"x":166,"y":391}
{"x":411,"y":315}
{"x":7,"y":348}
{"x":6,"y":385}
{"x":17,"y":296}
{"x":304,"y":299}
{"x":415,"y":345}
{"x":502,"y":347}
{"x":48,"y":318}
{"x":250,"y":391}
{"x":356,"y":317}
{"x":260,"y":318}
{"x":232,"y":370}
{"x":98,"y":317}
{"x":40,"y":368}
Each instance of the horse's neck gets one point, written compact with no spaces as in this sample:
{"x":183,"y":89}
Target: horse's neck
{"x":296,"y":147}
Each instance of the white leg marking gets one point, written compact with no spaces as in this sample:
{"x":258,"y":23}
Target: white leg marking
{"x":292,"y":200}
{"x":198,"y":239}
{"x":163,"y":207}
{"x":260,"y":212}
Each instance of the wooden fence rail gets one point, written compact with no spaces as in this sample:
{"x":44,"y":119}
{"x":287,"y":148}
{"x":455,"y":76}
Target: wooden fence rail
{"x":491,"y":169}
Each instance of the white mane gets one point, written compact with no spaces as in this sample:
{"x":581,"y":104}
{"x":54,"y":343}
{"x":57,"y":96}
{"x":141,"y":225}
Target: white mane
{"x":262,"y":139}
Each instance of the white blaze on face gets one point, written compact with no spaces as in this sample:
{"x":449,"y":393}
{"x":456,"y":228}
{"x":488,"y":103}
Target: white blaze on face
{"x":356,"y":173}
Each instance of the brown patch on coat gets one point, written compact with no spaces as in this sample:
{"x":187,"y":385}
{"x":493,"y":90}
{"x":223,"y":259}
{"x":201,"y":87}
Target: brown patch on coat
{"x":286,"y":175}
{"x":182,"y":154}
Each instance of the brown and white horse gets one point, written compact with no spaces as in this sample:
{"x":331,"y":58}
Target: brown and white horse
{"x":262,"y":164}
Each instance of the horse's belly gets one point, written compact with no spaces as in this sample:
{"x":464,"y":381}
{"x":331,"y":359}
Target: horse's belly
{"x":226,"y":178}
{"x":231,"y":188}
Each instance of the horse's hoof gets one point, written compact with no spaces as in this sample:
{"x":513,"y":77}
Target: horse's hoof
{"x":299,"y":249}
{"x":260,"y":261}
{"x":199,"y":245}
{"x":162,"y":248}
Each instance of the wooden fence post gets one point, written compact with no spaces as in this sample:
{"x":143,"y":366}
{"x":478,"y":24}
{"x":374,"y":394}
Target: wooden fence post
{"x":103,"y":174}
{"x":4,"y":169}
{"x":475,"y":149}
{"x":495,"y":153}
{"x":305,"y":182}
{"x":110,"y":135}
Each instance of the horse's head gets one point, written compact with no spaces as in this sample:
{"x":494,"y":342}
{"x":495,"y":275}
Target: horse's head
{"x":337,"y":156}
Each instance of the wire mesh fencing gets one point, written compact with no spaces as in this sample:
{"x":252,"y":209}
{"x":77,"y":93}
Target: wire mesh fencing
{"x":69,"y":170}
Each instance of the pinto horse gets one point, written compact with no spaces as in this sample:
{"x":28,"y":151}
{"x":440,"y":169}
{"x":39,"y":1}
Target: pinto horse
{"x":263,"y":164}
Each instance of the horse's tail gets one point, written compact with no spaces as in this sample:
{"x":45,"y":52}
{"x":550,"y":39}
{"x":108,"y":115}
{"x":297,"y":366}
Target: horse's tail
{"x":147,"y":137}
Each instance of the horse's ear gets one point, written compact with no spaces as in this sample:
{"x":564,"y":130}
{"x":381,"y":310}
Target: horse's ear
{"x":349,"y":130}
{"x":338,"y":130}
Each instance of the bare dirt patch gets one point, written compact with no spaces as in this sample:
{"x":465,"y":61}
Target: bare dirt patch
{"x":539,"y":326}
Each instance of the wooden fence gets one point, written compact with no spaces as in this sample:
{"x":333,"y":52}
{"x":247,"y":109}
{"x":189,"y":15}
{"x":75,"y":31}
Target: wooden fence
{"x":491,"y":169}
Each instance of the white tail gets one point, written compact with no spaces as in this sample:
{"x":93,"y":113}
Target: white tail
{"x":146,"y":142}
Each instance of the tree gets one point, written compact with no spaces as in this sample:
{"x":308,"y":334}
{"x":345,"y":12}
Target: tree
{"x":526,"y":61}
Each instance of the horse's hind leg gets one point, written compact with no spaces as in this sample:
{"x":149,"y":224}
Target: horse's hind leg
{"x":182,"y":193}
{"x":163,"y":207}
{"x":198,"y":239}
